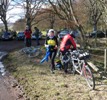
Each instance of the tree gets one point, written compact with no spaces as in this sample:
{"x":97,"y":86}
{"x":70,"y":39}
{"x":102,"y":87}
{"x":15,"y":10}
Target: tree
{"x":19,"y":25}
{"x":48,"y":19}
{"x":65,"y":10}
{"x":94,"y":9}
{"x":4,"y":4}
{"x":32,"y":8}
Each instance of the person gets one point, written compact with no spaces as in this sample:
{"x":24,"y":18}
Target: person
{"x":37,"y":35}
{"x":66,"y":44}
{"x":27,"y":34}
{"x":52,"y":43}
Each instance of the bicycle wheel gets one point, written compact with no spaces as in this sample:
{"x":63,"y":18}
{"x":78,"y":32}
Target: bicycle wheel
{"x":71,"y":68}
{"x":89,"y":77}
{"x":34,"y":53}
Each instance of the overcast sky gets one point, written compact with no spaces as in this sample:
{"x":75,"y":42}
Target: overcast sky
{"x":14,"y":14}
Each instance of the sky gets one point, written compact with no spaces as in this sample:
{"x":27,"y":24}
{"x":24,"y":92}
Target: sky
{"x":14,"y":14}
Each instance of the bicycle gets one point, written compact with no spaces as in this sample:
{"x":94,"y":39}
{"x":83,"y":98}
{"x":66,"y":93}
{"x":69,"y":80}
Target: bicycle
{"x":31,"y":51}
{"x":78,"y":63}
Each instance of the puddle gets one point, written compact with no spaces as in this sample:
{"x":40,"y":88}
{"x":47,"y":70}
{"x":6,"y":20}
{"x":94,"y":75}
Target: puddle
{"x":2,"y":69}
{"x":2,"y":54}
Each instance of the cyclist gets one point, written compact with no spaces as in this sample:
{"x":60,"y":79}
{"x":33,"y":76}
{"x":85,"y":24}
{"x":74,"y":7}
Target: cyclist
{"x":52,"y":43}
{"x":66,"y":44}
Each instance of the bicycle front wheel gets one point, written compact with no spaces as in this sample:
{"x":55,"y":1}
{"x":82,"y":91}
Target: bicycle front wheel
{"x":89,"y":77}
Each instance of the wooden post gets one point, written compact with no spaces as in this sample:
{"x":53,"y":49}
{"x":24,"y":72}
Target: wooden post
{"x":105,"y":60}
{"x":93,"y":66}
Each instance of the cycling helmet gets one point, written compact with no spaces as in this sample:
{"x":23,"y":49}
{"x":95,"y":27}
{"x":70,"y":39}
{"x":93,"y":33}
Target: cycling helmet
{"x":72,"y":33}
{"x":50,"y":31}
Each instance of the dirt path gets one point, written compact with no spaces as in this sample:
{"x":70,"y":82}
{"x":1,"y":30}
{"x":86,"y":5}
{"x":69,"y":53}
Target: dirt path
{"x":7,"y":92}
{"x":12,"y":45}
{"x":9,"y":89}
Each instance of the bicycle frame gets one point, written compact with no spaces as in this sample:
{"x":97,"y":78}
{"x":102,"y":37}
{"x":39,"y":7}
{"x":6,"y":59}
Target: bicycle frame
{"x":77,"y":66}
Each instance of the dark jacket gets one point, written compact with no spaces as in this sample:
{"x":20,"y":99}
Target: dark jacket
{"x":37,"y":32}
{"x":52,"y":42}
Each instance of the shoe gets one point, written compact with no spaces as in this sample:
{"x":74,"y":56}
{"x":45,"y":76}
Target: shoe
{"x":52,"y":72}
{"x":66,"y":71}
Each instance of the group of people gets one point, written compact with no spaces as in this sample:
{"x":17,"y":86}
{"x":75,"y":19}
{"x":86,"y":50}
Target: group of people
{"x":51,"y":42}
{"x":66,"y":44}
{"x":28,"y":33}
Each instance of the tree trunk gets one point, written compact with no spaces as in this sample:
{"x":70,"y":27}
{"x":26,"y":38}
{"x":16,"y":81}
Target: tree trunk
{"x":51,"y":25}
{"x":80,"y":28}
{"x":6,"y":26}
{"x":83,"y":40}
{"x":95,"y":29}
{"x":28,"y":19}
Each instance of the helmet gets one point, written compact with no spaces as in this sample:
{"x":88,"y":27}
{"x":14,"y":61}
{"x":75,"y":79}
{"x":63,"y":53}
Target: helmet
{"x":51,"y":30}
{"x":72,"y":33}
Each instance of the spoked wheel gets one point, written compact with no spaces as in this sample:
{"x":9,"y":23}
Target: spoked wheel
{"x":71,"y":68}
{"x":34,"y":53}
{"x":89,"y":77}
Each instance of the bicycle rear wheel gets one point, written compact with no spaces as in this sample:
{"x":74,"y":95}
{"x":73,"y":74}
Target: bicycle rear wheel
{"x":89,"y":77}
{"x":71,"y":68}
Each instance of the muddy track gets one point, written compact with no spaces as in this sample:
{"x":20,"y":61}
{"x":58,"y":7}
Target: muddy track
{"x":12,"y":45}
{"x":7,"y":89}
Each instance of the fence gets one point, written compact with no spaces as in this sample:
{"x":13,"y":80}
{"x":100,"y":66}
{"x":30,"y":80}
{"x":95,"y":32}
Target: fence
{"x":102,"y":58}
{"x":105,"y":60}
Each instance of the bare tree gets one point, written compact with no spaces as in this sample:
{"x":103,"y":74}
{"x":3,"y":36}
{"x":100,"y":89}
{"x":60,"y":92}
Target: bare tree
{"x":32,"y":9}
{"x":4,"y":4}
{"x":104,"y":13}
{"x":65,"y":10}
{"x":94,"y":10}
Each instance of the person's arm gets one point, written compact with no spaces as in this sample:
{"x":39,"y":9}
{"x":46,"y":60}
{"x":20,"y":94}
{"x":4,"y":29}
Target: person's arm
{"x":56,"y":41}
{"x":30,"y":31}
{"x":73,"y":43}
{"x":25,"y":33}
{"x":46,"y":44}
{"x":56,"y":46}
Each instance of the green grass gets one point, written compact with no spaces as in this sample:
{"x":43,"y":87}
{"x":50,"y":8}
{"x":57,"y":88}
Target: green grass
{"x":40,"y":84}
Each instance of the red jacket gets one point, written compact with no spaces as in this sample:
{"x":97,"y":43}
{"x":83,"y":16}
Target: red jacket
{"x":27,"y":33}
{"x":67,"y":42}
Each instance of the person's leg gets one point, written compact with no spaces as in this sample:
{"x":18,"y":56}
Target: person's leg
{"x":37,"y":40}
{"x":25,"y":43}
{"x":65,"y":67}
{"x":29,"y":42}
{"x":65,"y":62}
{"x":52,"y":57}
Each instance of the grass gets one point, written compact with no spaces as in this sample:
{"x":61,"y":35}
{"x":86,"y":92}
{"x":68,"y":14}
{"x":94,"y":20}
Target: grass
{"x":40,"y":84}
